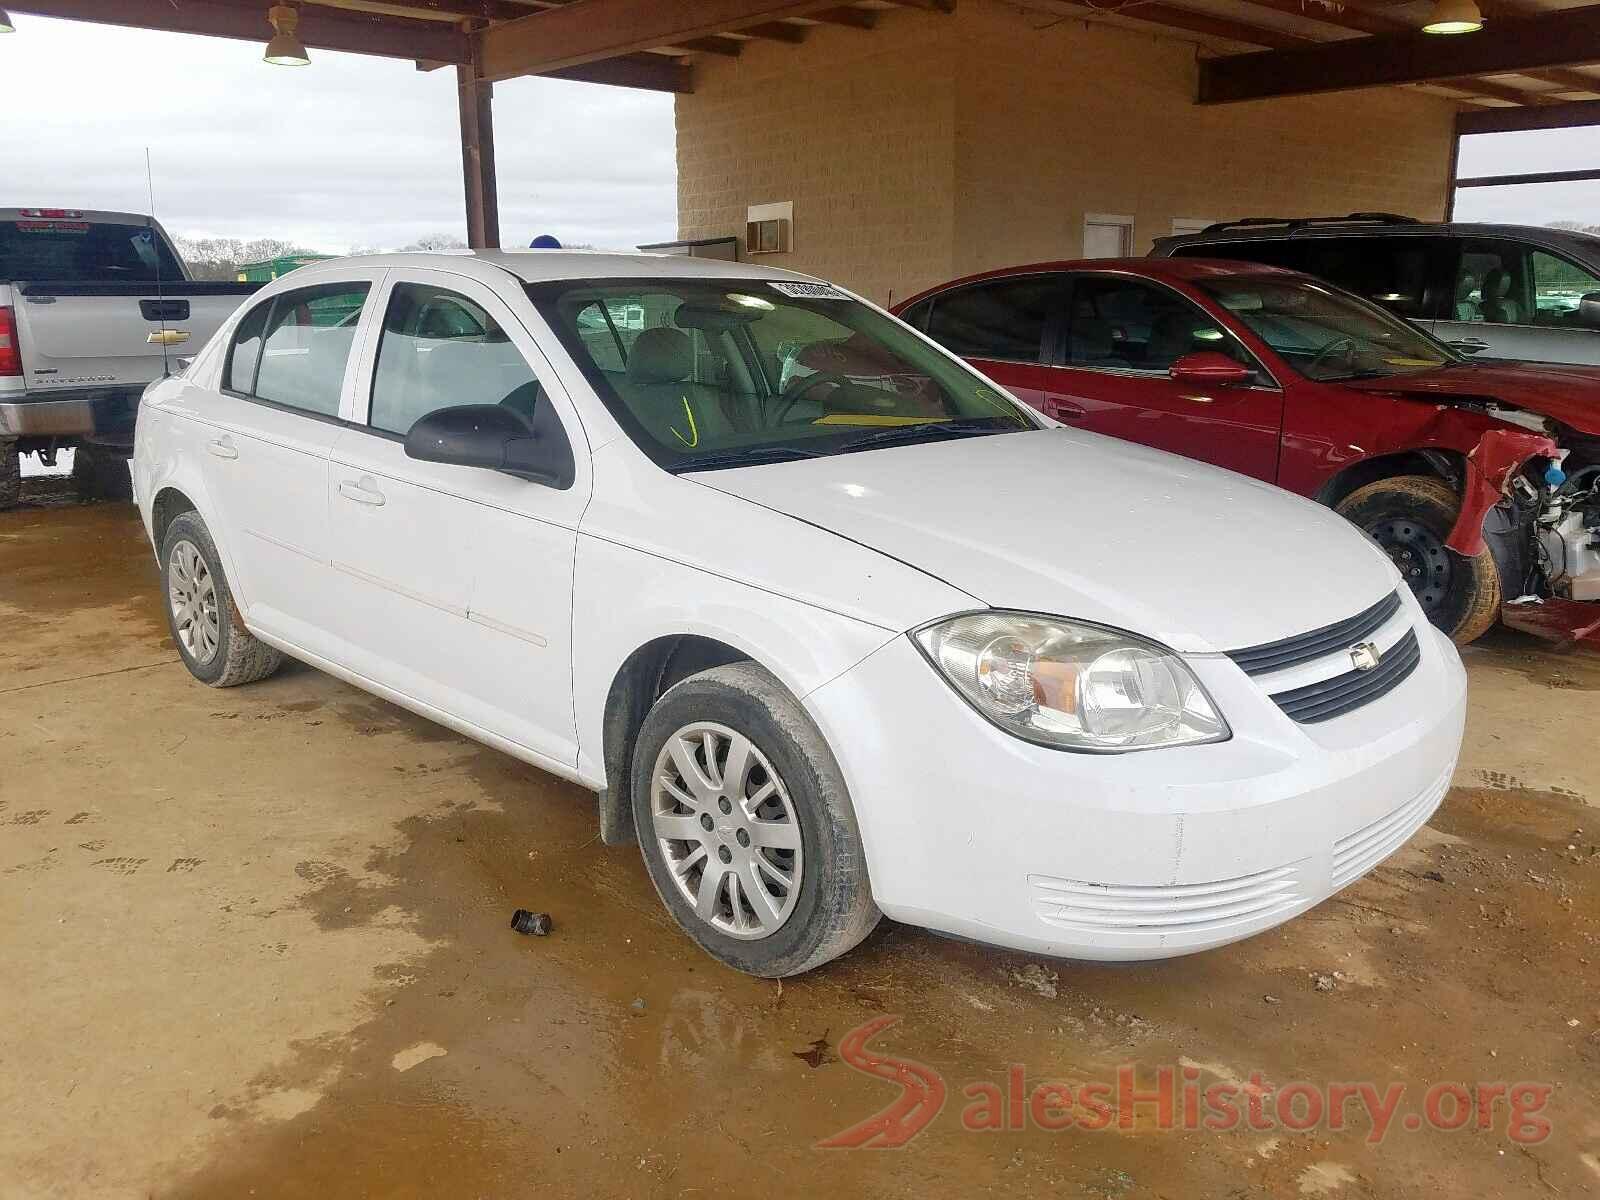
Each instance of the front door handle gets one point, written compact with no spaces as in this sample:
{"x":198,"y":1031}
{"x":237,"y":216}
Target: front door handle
{"x":362,"y":491}
{"x":1470,"y":345}
{"x":222,"y":447}
{"x":1063,"y":409}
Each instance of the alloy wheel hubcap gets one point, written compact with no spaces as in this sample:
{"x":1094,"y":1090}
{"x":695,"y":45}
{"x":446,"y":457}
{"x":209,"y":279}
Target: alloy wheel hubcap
{"x":192,"y":594}
{"x":727,"y":829}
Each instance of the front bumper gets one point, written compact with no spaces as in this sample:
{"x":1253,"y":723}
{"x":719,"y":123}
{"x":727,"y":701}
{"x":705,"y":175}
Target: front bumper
{"x":973,"y":832}
{"x":105,"y":415}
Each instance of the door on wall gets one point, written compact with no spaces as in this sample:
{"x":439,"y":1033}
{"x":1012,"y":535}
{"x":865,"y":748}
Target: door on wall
{"x":1106,"y":236}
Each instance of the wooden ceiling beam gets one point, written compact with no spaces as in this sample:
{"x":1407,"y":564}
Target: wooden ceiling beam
{"x":320,"y":28}
{"x":1516,"y":46}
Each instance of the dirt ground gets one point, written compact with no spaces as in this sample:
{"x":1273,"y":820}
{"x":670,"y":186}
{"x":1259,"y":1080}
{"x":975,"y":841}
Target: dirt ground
{"x":256,"y":943}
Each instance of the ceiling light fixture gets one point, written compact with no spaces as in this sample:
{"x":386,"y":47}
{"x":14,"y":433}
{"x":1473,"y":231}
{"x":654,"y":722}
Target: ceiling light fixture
{"x":1454,"y":16}
{"x":6,"y":23}
{"x":285,"y":49}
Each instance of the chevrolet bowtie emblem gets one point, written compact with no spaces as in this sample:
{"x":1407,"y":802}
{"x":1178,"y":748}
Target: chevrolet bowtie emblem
{"x":1364,"y":656}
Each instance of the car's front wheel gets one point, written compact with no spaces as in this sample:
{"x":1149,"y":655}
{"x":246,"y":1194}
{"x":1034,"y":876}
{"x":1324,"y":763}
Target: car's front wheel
{"x":1410,"y":517}
{"x":746,"y":827}
{"x":201,"y":613}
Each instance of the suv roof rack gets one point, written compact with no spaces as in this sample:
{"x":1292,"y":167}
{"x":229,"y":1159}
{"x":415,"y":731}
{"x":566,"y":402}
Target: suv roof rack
{"x":1292,"y":224}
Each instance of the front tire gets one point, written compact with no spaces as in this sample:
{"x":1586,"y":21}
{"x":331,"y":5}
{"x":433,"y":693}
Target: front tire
{"x":1410,"y":516}
{"x":201,"y":613}
{"x":746,"y":827}
{"x":10,"y":475}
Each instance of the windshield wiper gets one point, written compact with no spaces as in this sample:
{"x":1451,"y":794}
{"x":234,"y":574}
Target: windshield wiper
{"x":898,"y":435}
{"x":745,"y":458}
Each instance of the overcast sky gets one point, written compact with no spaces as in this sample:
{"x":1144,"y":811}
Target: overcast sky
{"x":350,"y":151}
{"x":1519,"y":153}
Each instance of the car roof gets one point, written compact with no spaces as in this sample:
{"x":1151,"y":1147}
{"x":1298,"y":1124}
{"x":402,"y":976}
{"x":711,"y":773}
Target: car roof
{"x":1182,"y":270}
{"x":1301,"y":229}
{"x":537,"y":266}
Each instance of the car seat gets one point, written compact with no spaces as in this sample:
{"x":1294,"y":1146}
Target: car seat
{"x":676,"y":412}
{"x":1466,"y":308}
{"x":1171,"y":337}
{"x":1497,"y":303}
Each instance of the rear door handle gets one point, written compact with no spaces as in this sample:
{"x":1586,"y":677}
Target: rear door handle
{"x":222,"y":447}
{"x":362,"y":491}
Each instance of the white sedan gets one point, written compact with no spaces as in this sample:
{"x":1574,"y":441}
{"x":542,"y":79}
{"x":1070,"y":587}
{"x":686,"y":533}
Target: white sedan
{"x":861,"y":637}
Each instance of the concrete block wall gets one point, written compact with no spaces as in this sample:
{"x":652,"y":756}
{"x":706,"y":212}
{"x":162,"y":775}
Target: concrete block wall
{"x":941,"y":145}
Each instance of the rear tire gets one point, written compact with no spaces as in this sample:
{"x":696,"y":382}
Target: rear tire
{"x":1410,"y":516}
{"x":10,"y":475}
{"x":100,"y":474}
{"x":785,"y":817}
{"x":201,"y":614}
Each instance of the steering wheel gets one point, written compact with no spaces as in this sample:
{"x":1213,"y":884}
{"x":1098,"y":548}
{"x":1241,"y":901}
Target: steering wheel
{"x":1347,"y":344}
{"x":800,"y":388}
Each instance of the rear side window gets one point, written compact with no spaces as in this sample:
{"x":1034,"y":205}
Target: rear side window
{"x":441,"y":349}
{"x":1391,"y":271}
{"x":1005,"y":319}
{"x":73,"y":251}
{"x":293,"y":349}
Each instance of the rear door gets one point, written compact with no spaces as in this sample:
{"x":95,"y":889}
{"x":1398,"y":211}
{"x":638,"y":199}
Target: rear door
{"x":1517,"y":301}
{"x":282,"y":403}
{"x":1122,"y":335}
{"x":454,"y":583}
{"x":1007,"y":328}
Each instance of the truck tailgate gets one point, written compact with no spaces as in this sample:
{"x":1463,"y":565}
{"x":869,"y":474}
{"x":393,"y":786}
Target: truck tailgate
{"x":95,"y":335}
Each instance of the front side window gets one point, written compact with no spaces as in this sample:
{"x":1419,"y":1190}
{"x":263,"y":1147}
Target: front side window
{"x":1325,"y":334}
{"x":1132,"y":325}
{"x":292,"y":350}
{"x":1558,"y":286}
{"x":440,"y":349}
{"x":711,"y":373}
{"x":1003,"y":320}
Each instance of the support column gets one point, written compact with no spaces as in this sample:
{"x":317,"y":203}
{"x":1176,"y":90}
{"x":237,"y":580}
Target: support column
{"x":474,"y":96}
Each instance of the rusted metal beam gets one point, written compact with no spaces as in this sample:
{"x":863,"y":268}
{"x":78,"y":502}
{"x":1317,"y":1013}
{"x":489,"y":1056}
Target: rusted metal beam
{"x":1573,"y":114}
{"x":320,"y":28}
{"x":652,"y":72}
{"x":1516,"y":46}
{"x":596,"y":30}
{"x":474,"y":98}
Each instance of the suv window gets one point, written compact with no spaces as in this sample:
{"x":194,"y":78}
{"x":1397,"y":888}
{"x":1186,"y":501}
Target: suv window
{"x":1132,"y":325}
{"x":440,"y":349}
{"x":1558,"y":286}
{"x":292,"y":349}
{"x":1391,"y":271}
{"x":1005,"y":319}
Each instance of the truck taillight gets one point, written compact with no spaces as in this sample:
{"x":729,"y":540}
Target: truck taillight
{"x":10,"y":351}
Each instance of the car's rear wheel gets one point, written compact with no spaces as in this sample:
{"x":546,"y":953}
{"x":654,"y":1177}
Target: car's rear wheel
{"x":201,"y":613}
{"x":10,"y":475}
{"x":746,"y":827}
{"x":1410,"y":517}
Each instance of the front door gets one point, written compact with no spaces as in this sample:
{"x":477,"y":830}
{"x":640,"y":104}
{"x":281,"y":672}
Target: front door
{"x":1122,"y":335}
{"x":274,"y":422}
{"x":456,"y":582}
{"x":1514,"y":301}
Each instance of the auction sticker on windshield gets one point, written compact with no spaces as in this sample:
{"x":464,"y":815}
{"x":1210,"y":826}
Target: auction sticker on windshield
{"x":806,"y":291}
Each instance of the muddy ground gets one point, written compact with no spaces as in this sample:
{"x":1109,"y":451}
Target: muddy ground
{"x":255,"y":943}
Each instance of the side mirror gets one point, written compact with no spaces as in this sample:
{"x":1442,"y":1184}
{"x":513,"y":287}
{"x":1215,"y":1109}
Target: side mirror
{"x":1208,"y":368}
{"x":493,"y":437}
{"x":1589,"y":311}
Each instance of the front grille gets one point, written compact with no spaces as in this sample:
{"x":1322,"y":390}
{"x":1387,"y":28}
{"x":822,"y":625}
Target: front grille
{"x":1329,"y":698}
{"x":1357,"y":853}
{"x":1165,"y":909}
{"x":1307,"y":647}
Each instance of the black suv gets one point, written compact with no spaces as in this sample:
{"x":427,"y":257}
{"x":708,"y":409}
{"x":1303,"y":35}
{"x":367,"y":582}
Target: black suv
{"x":1502,"y":291}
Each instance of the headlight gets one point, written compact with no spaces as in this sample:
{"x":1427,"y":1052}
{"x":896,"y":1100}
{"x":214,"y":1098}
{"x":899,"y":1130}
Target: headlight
{"x":1076,"y":687}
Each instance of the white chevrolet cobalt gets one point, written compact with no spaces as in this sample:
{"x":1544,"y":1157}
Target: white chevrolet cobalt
{"x":833,"y":625}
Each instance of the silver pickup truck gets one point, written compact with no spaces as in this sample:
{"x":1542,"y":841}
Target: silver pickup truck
{"x":93,"y":307}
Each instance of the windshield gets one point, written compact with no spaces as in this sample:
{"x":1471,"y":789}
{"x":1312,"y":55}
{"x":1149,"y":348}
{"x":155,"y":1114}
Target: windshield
{"x":1322,"y":333}
{"x":717,"y":373}
{"x":73,"y":251}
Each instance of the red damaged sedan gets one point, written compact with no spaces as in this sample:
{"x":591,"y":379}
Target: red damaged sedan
{"x":1480,"y":479}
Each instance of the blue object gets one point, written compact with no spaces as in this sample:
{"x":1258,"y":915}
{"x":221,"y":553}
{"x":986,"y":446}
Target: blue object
{"x":544,"y":242}
{"x":1554,"y":475}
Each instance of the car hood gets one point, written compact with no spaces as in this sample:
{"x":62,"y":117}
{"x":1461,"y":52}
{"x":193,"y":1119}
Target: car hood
{"x":1077,"y":525}
{"x":1566,"y":393}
